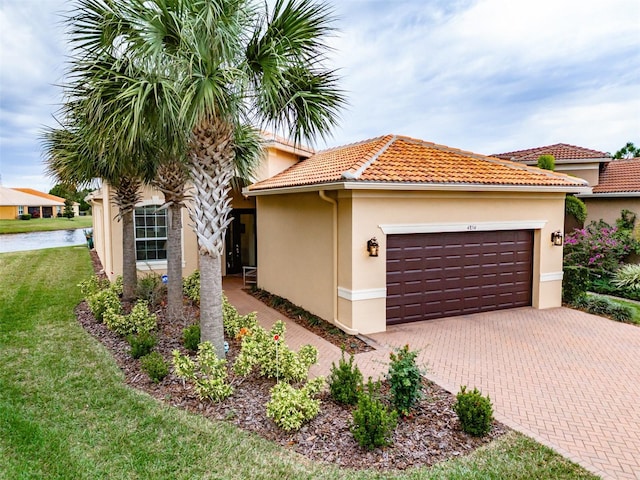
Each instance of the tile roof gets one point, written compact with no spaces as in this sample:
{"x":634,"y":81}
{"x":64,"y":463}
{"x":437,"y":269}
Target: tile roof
{"x":400,"y":159}
{"x":38,"y":193}
{"x":14,"y":197}
{"x":620,"y":176}
{"x":561,"y":151}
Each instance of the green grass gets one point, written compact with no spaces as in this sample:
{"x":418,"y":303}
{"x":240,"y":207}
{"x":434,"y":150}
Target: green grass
{"x":44,"y":224}
{"x":65,"y":412}
{"x":635,"y":308}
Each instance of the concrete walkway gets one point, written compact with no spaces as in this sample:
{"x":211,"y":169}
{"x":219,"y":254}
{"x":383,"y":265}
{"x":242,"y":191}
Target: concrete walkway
{"x":568,"y":379}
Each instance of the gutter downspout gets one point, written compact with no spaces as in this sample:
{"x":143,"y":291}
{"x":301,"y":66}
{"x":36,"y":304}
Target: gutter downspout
{"x":334,"y":204}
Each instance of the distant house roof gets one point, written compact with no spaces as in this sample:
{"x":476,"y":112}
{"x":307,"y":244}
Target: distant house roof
{"x":12,"y":197}
{"x":403,"y":160}
{"x":282,"y":143}
{"x":561,"y":151}
{"x":38,"y":193}
{"x":620,"y":176}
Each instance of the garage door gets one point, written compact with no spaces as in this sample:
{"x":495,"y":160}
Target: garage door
{"x":435,"y":275}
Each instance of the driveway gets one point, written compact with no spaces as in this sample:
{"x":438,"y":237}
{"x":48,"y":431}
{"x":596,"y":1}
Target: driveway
{"x":566,"y":378}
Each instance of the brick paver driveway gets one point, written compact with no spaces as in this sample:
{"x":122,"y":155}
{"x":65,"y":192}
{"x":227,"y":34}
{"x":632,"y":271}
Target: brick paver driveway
{"x":568,"y":379}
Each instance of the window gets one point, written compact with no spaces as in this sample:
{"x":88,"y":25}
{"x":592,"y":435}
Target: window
{"x":20,"y":210}
{"x":151,"y":233}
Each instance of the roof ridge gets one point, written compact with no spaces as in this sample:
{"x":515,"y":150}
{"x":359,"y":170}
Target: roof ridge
{"x":348,"y":175}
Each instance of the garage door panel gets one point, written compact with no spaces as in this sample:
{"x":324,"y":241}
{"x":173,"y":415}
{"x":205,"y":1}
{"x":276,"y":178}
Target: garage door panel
{"x":437,"y":275}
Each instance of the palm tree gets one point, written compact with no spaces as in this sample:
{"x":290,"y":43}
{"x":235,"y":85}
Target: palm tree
{"x":199,"y":72}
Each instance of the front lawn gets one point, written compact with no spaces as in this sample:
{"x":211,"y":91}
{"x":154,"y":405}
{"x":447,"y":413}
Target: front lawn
{"x":44,"y":224}
{"x":66,"y":413}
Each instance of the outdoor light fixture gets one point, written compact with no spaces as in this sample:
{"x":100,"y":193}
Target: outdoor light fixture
{"x":556,"y":238}
{"x":373,"y":247}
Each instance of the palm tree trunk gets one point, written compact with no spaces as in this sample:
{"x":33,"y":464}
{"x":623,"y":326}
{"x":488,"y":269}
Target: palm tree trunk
{"x":211,"y":326}
{"x":174,"y":264}
{"x":129,"y":270}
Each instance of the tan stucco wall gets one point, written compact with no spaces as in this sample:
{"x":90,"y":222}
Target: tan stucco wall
{"x":295,"y":249}
{"x":8,"y":212}
{"x":276,"y":162}
{"x":588,"y":172}
{"x":608,"y":209}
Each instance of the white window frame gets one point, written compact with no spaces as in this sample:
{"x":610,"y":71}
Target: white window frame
{"x":150,"y":211}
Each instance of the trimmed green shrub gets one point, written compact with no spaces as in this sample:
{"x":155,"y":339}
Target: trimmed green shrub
{"x":139,"y":320}
{"x":603,"y":306}
{"x":290,"y":407}
{"x":575,"y":207}
{"x":25,"y":216}
{"x":208,"y":373}
{"x":405,"y":379}
{"x":141,"y":344}
{"x":103,"y":303}
{"x":628,"y":277}
{"x":547,"y":162}
{"x":151,"y":289}
{"x":155,"y":366}
{"x":575,"y":283}
{"x":474,"y":411}
{"x":373,"y":423}
{"x":191,"y":286}
{"x":234,"y":323}
{"x":269,"y":353}
{"x":191,"y":337}
{"x":345,"y":381}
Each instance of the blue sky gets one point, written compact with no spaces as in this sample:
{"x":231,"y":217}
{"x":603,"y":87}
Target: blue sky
{"x":487,"y":76}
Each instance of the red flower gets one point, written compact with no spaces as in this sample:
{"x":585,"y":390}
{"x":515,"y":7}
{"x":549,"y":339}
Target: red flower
{"x":276,"y":338}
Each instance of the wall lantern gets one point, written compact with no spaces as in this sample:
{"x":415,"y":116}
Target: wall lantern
{"x":556,"y":238}
{"x":373,"y":247}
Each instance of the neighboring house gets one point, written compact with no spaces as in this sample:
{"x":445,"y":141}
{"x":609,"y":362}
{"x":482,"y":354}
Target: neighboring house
{"x":150,"y":222}
{"x":616,"y":183}
{"x":58,"y":210}
{"x":15,"y":202}
{"x":618,"y":189}
{"x":457,"y":232}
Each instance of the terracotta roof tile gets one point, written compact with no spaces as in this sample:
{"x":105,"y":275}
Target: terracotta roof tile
{"x":38,"y":193}
{"x":393,"y":158}
{"x":561,"y":151}
{"x":620,"y":176}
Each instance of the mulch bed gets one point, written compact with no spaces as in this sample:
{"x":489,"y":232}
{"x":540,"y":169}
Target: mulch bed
{"x":430,"y":436}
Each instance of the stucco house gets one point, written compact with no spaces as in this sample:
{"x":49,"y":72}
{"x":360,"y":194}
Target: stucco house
{"x":383,"y":231}
{"x":616,"y":183}
{"x":20,"y":201}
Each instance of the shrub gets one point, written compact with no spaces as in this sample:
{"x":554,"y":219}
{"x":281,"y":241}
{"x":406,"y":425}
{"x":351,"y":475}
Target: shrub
{"x":191,"y":286}
{"x":474,"y":411}
{"x":602,"y":306}
{"x":345,"y":381}
{"x":273,"y":358}
{"x":92,"y":285}
{"x":141,"y":344}
{"x":627,"y":220}
{"x":575,"y":283}
{"x":575,"y":207}
{"x":233,"y":322}
{"x":547,"y":162}
{"x":139,"y":320}
{"x":599,"y":246}
{"x":405,"y":379}
{"x":155,"y":366}
{"x":290,"y":407}
{"x":151,"y":289}
{"x":25,"y":216}
{"x":628,"y":277}
{"x":208,"y":373}
{"x":103,"y":303}
{"x":373,"y":423}
{"x":191,"y":337}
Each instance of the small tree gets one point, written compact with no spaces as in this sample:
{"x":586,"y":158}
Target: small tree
{"x":547,"y":162}
{"x":68,"y":208}
{"x":628,"y":151}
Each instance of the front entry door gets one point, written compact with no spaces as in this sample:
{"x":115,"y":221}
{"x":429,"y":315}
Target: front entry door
{"x":240,"y":240}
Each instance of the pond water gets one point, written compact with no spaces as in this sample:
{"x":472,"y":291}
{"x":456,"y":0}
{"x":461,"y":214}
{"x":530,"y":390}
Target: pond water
{"x":17,"y":242}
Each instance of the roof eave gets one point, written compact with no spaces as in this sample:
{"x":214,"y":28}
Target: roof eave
{"x":472,"y":187}
{"x":610,"y":195}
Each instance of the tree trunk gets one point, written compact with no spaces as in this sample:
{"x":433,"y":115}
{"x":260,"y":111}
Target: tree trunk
{"x":211,"y":327}
{"x":129,"y":270}
{"x":174,"y":264}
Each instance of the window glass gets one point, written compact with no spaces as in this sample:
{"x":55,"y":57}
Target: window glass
{"x":151,"y":233}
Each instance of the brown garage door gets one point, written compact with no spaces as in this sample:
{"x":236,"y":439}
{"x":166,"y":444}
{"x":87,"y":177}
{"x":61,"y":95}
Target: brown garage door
{"x":435,"y":275}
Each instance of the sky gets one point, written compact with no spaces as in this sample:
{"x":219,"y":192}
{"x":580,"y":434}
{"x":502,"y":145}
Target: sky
{"x":488,"y":76}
